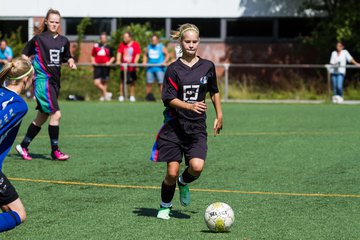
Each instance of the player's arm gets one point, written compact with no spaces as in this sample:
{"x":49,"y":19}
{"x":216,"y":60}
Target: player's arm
{"x":215,"y":98}
{"x":166,"y":54}
{"x":118,"y":58}
{"x":355,"y":62}
{"x":112,"y":57}
{"x":71,"y":63}
{"x":198,"y":107}
{"x":29,"y":49}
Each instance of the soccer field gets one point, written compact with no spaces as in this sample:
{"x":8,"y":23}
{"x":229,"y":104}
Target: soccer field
{"x":288,"y":171}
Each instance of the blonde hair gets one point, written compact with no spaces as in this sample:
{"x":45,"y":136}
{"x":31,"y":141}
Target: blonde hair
{"x":43,"y":26}
{"x":178,"y":34}
{"x":13,"y":72}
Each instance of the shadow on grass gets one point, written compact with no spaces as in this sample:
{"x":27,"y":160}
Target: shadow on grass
{"x":208,"y":231}
{"x":151,"y":212}
{"x":33,"y":155}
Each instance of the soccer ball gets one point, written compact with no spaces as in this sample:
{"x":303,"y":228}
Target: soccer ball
{"x":219,"y":217}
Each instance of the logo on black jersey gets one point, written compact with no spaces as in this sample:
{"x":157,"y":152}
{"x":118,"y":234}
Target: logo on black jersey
{"x":191,"y":93}
{"x":54,"y":56}
{"x":203,"y":80}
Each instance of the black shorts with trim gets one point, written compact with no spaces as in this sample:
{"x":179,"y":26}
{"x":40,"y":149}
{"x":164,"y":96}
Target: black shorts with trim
{"x":131,"y":76}
{"x":46,"y":93}
{"x":8,"y":193}
{"x":101,"y":72}
{"x":177,"y":140}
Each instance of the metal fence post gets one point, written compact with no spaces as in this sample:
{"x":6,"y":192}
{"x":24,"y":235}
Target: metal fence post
{"x":226,"y":90}
{"x":125,"y":80}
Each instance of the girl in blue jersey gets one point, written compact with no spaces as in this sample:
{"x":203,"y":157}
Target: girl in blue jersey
{"x":183,"y":135}
{"x":15,"y":77}
{"x":48,"y":50}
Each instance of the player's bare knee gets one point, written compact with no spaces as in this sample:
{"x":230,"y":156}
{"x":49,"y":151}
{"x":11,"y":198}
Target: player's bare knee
{"x":22,"y":215}
{"x":171,"y":178}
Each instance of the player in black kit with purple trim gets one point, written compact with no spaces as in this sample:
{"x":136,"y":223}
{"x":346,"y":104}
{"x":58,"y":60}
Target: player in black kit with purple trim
{"x":186,"y":83}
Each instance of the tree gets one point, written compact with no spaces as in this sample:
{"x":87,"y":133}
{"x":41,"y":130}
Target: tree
{"x":341,"y":23}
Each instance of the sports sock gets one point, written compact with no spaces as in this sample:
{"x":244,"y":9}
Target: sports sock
{"x":31,"y":133}
{"x":9,"y":220}
{"x":54,"y":137}
{"x":167,"y":194}
{"x":186,"y":177}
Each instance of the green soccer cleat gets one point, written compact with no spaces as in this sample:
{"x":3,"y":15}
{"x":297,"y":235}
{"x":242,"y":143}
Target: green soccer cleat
{"x":184,"y":195}
{"x":164,"y":213}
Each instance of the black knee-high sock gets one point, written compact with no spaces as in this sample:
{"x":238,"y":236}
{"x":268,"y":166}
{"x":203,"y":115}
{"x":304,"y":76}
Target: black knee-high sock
{"x":167,"y":194}
{"x":31,"y":133}
{"x":186,"y":177}
{"x":54,"y":137}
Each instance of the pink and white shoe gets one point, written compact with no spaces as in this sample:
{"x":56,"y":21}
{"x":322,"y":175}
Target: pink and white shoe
{"x":23,"y":152}
{"x":58,"y":155}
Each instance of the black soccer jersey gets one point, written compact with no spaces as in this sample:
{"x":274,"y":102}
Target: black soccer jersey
{"x":49,"y":53}
{"x":189,"y":84}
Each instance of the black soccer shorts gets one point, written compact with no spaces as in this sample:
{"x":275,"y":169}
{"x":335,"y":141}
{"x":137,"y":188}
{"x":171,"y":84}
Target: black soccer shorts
{"x":8,"y":193}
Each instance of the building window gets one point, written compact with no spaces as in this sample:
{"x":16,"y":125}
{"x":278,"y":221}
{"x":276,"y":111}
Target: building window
{"x":290,"y":28}
{"x":156,"y":24}
{"x":250,"y":28}
{"x":209,"y":28}
{"x":9,"y":26}
{"x":98,"y":25}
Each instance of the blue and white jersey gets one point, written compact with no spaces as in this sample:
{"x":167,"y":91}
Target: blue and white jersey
{"x":12,"y":110}
{"x":155,"y":56}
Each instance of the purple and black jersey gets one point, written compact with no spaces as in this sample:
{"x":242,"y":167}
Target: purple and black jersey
{"x":189,"y":84}
{"x":49,"y":53}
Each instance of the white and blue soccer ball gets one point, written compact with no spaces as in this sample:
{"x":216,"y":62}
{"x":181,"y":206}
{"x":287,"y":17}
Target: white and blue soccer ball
{"x":219,"y":217}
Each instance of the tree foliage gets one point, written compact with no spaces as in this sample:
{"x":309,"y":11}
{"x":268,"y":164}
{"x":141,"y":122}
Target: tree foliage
{"x":341,"y":23}
{"x":14,"y":41}
{"x":141,"y":33}
{"x":81,"y":28}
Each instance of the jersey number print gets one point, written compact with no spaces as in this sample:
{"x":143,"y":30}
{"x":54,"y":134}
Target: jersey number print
{"x":191,"y":93}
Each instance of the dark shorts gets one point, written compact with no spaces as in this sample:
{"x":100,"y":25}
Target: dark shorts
{"x":102,"y":73}
{"x":46,"y":93}
{"x":175,"y":141}
{"x":8,"y":193}
{"x":131,"y":76}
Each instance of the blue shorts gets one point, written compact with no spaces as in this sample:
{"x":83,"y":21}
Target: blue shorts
{"x":159,"y":75}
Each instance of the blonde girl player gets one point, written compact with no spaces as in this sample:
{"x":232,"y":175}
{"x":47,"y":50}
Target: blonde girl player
{"x":186,"y":82}
{"x":15,"y":77}
{"x":49,"y":50}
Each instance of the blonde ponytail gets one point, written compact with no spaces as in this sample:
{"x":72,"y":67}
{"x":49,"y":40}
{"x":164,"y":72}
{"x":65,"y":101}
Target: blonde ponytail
{"x":16,"y":70}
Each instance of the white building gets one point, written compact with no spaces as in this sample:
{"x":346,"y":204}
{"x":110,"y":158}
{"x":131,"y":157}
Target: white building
{"x":220,"y":21}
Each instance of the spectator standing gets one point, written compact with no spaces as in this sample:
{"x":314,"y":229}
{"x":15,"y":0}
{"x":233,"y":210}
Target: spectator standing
{"x":338,"y":60}
{"x":155,"y":53}
{"x":128,"y":52}
{"x":102,"y":56}
{"x":6,"y":53}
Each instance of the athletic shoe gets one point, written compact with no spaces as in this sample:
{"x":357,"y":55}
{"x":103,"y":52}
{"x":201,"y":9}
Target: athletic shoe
{"x":23,"y":152}
{"x":58,"y":155}
{"x":101,"y":99}
{"x":184,"y":194}
{"x":164,"y":213}
{"x":132,"y":99}
{"x":108,"y":96}
{"x":340,"y":99}
{"x":121,"y":99}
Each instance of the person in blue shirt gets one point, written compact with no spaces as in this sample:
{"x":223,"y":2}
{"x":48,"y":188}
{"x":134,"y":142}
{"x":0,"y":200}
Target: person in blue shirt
{"x":15,"y":77}
{"x":6,"y":53}
{"x":155,"y":53}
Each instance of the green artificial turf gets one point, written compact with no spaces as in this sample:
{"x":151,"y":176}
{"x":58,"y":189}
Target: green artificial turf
{"x":288,"y":171}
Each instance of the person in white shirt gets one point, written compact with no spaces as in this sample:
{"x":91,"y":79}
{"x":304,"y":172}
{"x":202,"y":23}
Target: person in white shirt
{"x":338,"y":60}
